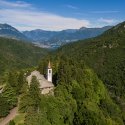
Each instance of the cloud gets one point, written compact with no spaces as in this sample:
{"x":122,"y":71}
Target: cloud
{"x":22,"y":16}
{"x":108,"y":21}
{"x":19,"y":4}
{"x":72,"y":7}
{"x":105,"y":12}
{"x":80,"y":13}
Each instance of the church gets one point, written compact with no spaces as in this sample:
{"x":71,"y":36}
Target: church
{"x":46,"y":85}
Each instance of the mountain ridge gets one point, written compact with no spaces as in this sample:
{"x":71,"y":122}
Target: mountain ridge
{"x":65,"y":36}
{"x":50,"y":39}
{"x":8,"y":31}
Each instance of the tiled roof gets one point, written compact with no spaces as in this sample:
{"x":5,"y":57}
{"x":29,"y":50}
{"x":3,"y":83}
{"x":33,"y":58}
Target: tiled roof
{"x":41,"y":79}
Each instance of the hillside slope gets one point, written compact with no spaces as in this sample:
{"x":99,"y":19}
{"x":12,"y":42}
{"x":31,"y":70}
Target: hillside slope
{"x":18,"y":54}
{"x":80,"y":95}
{"x":106,"y":55}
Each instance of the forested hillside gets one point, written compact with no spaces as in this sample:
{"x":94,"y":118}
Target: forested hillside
{"x":104,"y":54}
{"x":17,"y":54}
{"x":89,"y":85}
{"x":81,"y":96}
{"x":15,"y":57}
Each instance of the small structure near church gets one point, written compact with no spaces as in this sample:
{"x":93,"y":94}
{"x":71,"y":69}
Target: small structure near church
{"x":46,"y":85}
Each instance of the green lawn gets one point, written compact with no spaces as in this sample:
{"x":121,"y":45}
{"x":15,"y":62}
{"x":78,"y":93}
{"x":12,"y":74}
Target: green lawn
{"x":19,"y":119}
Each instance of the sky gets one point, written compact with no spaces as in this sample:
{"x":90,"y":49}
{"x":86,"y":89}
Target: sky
{"x":58,"y":15}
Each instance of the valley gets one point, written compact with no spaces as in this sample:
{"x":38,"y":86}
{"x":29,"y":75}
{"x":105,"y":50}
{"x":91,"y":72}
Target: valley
{"x":88,"y":76}
{"x":50,"y":39}
{"x":62,"y":62}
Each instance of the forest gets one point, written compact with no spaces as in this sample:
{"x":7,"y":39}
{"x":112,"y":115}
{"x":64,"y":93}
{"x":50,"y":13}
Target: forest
{"x":16,"y":54}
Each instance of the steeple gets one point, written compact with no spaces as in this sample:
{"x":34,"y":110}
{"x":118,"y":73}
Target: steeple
{"x":49,"y":65}
{"x":49,"y":72}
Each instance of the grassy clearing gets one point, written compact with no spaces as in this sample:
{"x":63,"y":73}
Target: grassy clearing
{"x":19,"y":119}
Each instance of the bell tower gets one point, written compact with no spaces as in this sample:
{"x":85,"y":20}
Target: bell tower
{"x":49,"y":72}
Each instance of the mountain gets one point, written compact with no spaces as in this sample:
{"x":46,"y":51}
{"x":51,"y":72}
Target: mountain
{"x":50,"y":39}
{"x":89,"y":76}
{"x":8,"y":31}
{"x":59,"y":38}
{"x":39,"y":35}
{"x":82,"y":33}
{"x":15,"y":54}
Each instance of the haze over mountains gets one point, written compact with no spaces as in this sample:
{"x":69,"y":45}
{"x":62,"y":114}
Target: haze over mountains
{"x":51,"y":38}
{"x":58,"y":38}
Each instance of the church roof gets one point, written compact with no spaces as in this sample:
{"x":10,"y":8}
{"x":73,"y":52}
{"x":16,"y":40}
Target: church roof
{"x":41,"y":79}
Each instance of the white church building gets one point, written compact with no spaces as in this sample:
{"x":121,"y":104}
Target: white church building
{"x":46,"y":85}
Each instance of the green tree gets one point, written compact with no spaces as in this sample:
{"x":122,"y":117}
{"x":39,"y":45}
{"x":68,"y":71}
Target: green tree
{"x":4,"y":107}
{"x":21,"y":81}
{"x":12,"y":122}
{"x":10,"y":95}
{"x":13,"y":80}
{"x":34,"y":91}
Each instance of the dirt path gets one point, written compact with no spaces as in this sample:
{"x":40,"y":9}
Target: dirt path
{"x":11,"y":116}
{"x":1,"y":88}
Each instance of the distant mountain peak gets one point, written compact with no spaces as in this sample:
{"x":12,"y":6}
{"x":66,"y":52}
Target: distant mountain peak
{"x":70,"y":30}
{"x":5,"y":25}
{"x":83,"y":28}
{"x":8,"y":31}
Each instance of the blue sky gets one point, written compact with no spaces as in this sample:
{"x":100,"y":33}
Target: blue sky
{"x":61,"y":14}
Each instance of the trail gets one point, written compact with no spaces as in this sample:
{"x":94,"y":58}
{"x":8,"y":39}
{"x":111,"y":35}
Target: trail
{"x":1,"y":88}
{"x":10,"y":116}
